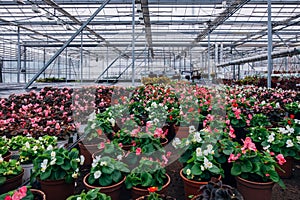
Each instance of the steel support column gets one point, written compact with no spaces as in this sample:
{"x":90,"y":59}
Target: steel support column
{"x":19,"y":57}
{"x":133,"y":42}
{"x":208,"y":56}
{"x":270,"y":63}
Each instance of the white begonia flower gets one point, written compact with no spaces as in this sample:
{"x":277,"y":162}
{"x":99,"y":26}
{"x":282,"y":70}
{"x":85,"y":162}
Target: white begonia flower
{"x":290,"y":129}
{"x":298,"y":139}
{"x":81,"y":159}
{"x":205,"y":152}
{"x":78,"y":198}
{"x":289,"y":143}
{"x":297,"y":121}
{"x":50,"y":147}
{"x":35,"y":148}
{"x":1,"y":159}
{"x":207,"y":163}
{"x":271,"y":138}
{"x":44,"y":165}
{"x":277,"y":105}
{"x":266,"y":147}
{"x":75,"y":175}
{"x":156,"y":121}
{"x":202,"y":168}
{"x":119,"y":157}
{"x":103,"y":163}
{"x":97,"y":174}
{"x":53,"y":154}
{"x":93,"y":126}
{"x":187,"y":142}
{"x":112,"y":121}
{"x":53,"y":161}
{"x":197,"y":137}
{"x":176,"y":142}
{"x":199,"y":152}
{"x":110,"y":114}
{"x":147,"y":109}
{"x":154,"y":105}
{"x":27,"y":145}
{"x":283,"y":130}
{"x":209,"y":148}
{"x":192,"y":129}
{"x":188,"y":172}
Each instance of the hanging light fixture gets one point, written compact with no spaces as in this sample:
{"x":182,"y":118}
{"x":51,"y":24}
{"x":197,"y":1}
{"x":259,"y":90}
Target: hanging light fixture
{"x":48,"y":16}
{"x":59,"y":22}
{"x":68,"y":27}
{"x":141,"y":16}
{"x":35,"y":9}
{"x":224,"y":4}
{"x":20,"y":2}
{"x":139,"y":7}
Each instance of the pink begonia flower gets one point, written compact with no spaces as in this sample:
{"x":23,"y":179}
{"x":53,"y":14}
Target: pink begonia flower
{"x":231,"y":132}
{"x":280,"y":159}
{"x":158,"y":132}
{"x":133,"y":143}
{"x":138,"y":151}
{"x":237,"y":113}
{"x":57,"y":126}
{"x":250,"y":116}
{"x":134,"y":132}
{"x":120,"y":145}
{"x":248,"y":144}
{"x":232,"y":157}
{"x":8,"y":198}
{"x":102,"y":145}
{"x":267,"y":175}
{"x":272,"y":153}
{"x":169,"y":154}
{"x":165,"y":159}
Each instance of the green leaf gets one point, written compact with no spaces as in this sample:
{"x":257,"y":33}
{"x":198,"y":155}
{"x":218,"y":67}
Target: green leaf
{"x":105,"y":180}
{"x":74,"y":164}
{"x":236,"y":169}
{"x":66,"y":166}
{"x":116,"y":176}
{"x":107,"y":170}
{"x":146,"y":179}
{"x":46,"y":174}
{"x":274,"y":176}
{"x":91,"y":179}
{"x":69,"y":179}
{"x":247,"y":166}
{"x":214,"y":170}
{"x":2,"y":180}
{"x":196,"y":169}
{"x":59,"y":160}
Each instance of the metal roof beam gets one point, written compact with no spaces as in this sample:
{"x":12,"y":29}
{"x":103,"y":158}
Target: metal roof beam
{"x":151,"y":2}
{"x":228,"y":12}
{"x":285,"y":23}
{"x":74,"y":19}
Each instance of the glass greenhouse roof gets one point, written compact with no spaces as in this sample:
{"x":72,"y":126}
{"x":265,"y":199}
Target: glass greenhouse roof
{"x":170,"y":25}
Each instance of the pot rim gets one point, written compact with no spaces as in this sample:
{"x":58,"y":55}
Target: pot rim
{"x":165,"y":185}
{"x":109,"y":186}
{"x":252,"y":182}
{"x":193,"y":181}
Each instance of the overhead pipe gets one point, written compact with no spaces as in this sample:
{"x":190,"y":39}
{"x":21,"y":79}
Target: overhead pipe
{"x":275,"y":54}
